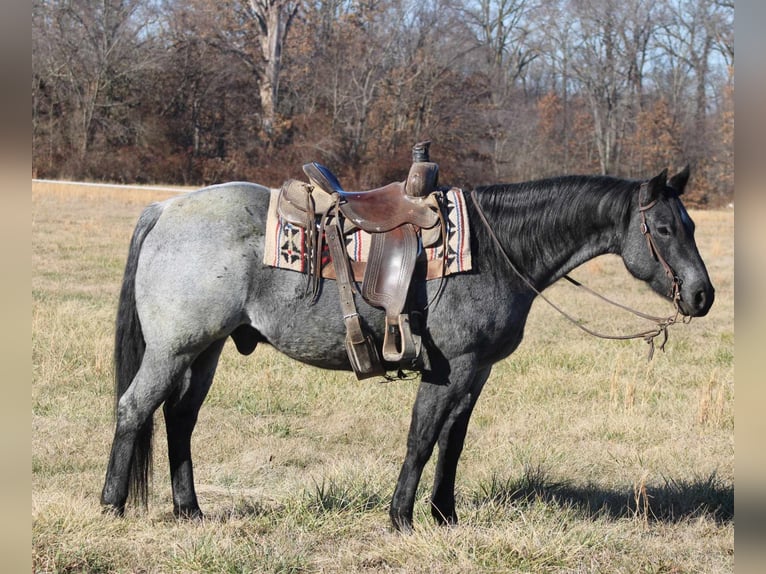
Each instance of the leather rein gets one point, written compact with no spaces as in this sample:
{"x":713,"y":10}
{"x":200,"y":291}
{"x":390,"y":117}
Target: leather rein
{"x":662,"y":323}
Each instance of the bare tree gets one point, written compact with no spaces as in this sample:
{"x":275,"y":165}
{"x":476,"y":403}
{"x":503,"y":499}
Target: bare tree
{"x":503,"y":47}
{"x":255,"y":31}
{"x":558,"y":48}
{"x":274,"y":18}
{"x":609,"y":67}
{"x":347,"y":52}
{"x":507,"y":89}
{"x":421,"y":62}
{"x":691,"y":33}
{"x":90,"y":53}
{"x":724,"y":30}
{"x":201,"y":120}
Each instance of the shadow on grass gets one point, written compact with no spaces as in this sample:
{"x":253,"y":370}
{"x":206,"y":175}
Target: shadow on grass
{"x":674,"y":501}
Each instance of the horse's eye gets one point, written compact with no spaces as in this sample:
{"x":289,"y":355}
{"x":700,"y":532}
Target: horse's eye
{"x":664,"y":230}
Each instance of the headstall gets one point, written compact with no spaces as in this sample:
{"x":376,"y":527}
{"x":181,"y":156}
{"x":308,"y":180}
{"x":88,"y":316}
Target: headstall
{"x":662,"y":323}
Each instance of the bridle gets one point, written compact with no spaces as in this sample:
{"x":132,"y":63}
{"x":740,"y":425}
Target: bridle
{"x":675,"y":292}
{"x":662,"y":323}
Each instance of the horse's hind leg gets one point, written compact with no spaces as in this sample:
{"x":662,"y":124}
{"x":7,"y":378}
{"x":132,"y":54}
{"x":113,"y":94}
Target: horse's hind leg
{"x":451,"y":440}
{"x":181,"y":410}
{"x":152,"y":384}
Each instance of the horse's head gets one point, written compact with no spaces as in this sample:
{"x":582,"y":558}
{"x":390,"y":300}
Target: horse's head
{"x":659,"y":245}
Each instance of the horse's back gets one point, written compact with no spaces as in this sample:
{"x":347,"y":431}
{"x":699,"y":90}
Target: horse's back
{"x":224,"y":208}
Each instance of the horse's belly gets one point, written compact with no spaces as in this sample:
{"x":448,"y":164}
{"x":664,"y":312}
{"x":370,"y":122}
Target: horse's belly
{"x":284,"y":314}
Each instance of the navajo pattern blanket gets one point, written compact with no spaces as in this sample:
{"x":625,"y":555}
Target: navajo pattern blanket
{"x":286,"y":243}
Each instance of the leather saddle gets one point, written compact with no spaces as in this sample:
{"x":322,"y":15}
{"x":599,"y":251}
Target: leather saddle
{"x":396,"y":216}
{"x":377,"y":210}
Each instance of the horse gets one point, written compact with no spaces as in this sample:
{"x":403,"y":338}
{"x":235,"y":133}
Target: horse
{"x":194,"y":277}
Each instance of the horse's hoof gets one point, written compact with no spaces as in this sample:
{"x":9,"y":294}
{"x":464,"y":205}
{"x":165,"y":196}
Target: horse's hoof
{"x":112,"y":510}
{"x":193,"y":514}
{"x":444,"y":519}
{"x":402,"y":524}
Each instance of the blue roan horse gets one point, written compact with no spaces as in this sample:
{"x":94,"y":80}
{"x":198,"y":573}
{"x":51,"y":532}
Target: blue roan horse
{"x":195,"y":277}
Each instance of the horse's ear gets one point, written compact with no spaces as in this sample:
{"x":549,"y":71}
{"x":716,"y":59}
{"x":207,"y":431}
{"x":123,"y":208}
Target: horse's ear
{"x":654,"y":187}
{"x":679,"y":180}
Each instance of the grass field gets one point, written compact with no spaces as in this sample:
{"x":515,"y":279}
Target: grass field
{"x":581,"y":456}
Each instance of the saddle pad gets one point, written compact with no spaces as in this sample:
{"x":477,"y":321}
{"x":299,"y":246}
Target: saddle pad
{"x":285,"y":243}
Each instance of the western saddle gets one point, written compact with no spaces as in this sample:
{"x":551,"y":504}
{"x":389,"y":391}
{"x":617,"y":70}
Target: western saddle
{"x":400,"y":217}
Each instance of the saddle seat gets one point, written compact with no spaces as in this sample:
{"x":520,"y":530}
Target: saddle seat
{"x":377,"y":210}
{"x":395,"y":219}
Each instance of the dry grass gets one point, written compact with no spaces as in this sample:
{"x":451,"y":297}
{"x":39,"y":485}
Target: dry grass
{"x":581,"y":456}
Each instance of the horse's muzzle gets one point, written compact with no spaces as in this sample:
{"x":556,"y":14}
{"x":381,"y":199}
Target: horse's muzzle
{"x":696,"y":302}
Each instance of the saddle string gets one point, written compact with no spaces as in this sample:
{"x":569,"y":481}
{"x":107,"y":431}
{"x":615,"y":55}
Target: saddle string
{"x":315,"y":244}
{"x":648,"y":336}
{"x":316,"y":238}
{"x":443,"y":225}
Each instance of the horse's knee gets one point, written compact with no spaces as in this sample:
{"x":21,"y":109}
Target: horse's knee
{"x":127,"y":416}
{"x":131,"y":419}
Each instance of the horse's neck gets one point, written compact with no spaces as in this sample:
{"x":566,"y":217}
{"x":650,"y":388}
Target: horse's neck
{"x":577,"y":238}
{"x":571,"y":254}
{"x":553,"y":239}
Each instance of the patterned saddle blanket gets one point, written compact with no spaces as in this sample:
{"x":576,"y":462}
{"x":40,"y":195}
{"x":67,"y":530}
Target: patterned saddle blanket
{"x":286,"y":243}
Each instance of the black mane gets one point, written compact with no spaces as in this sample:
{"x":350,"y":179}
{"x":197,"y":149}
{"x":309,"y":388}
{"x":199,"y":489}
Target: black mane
{"x":534,"y":217}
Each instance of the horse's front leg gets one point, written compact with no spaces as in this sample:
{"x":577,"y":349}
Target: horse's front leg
{"x":434,"y":403}
{"x":451,"y":440}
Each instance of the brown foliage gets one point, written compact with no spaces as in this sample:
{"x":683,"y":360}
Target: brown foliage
{"x":357,"y":85}
{"x":655,"y":143}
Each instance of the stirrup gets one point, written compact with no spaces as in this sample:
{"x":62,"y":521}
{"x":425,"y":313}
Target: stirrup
{"x":398,"y":329}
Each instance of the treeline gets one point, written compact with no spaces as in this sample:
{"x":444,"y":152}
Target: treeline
{"x":203,"y":91}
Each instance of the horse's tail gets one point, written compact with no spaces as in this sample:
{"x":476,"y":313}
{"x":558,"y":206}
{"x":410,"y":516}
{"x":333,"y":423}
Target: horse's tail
{"x":129,"y":347}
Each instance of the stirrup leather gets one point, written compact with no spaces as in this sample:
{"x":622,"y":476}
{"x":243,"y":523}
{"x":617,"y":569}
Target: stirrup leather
{"x":360,"y":347}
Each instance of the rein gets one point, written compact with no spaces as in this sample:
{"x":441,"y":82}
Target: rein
{"x":649,"y":335}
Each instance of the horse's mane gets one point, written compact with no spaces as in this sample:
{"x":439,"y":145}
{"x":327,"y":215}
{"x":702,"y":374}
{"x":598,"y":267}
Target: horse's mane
{"x":536,"y":214}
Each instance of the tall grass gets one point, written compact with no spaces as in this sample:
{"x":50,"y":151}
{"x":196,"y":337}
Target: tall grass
{"x":581,"y":456}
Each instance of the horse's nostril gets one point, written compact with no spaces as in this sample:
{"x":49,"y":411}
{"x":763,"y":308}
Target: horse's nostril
{"x":703,"y":299}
